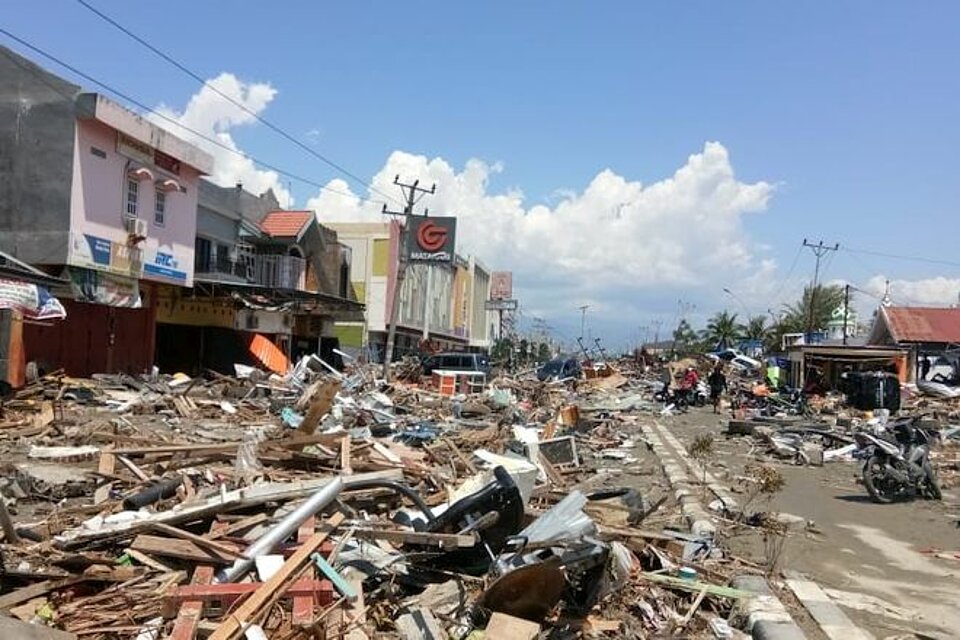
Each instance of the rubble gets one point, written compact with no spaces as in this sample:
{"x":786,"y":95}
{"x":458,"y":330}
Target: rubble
{"x":323,"y":504}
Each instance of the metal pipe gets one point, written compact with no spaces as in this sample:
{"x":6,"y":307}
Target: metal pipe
{"x":284,"y":529}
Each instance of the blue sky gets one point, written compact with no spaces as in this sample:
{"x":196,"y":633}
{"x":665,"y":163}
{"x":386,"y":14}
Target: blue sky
{"x":847,"y":110}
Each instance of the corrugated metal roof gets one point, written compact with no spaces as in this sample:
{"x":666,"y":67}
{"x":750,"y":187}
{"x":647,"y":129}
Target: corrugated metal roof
{"x":285,"y":224}
{"x":268,"y":354}
{"x":923,"y":324}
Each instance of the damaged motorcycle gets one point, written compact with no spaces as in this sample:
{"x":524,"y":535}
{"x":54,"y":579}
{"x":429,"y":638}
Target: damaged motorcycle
{"x":897,"y":464}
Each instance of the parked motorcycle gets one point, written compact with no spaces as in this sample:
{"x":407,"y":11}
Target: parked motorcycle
{"x":682,"y":398}
{"x":897,"y":465}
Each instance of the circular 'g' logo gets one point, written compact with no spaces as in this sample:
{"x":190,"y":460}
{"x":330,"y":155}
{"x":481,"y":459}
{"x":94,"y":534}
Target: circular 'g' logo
{"x":430,"y":236}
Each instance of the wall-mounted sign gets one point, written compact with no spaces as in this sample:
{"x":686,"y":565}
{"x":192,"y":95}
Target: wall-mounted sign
{"x":430,"y":239}
{"x":88,"y":285}
{"x":501,"y":285}
{"x":501,"y":305}
{"x":166,"y":162}
{"x":134,"y":149}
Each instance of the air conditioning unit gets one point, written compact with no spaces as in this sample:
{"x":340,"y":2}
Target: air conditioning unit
{"x":136,"y":229}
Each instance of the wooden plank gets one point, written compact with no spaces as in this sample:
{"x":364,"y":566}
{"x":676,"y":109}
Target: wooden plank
{"x":506,"y":627}
{"x":345,"y":456}
{"x":695,"y":586}
{"x":248,"y":611}
{"x":341,"y":585}
{"x":191,"y":612}
{"x":320,"y":402}
{"x":442,"y":540}
{"x":240,"y":525}
{"x":106,"y":466}
{"x":144,"y":559}
{"x":464,"y":459}
{"x":35,"y":590}
{"x":206,"y":543}
{"x":302,"y":612}
{"x":134,"y":469}
{"x":182,"y":549}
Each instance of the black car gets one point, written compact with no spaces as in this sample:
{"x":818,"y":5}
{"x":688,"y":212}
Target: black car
{"x":559,"y":369}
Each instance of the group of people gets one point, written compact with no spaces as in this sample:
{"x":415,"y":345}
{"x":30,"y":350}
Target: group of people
{"x":716,"y":381}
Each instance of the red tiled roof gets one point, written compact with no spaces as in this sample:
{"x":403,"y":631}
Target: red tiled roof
{"x":285,"y":224}
{"x":923,"y":324}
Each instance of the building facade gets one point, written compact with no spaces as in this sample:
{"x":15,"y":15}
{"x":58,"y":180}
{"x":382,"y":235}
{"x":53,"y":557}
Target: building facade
{"x":94,"y":193}
{"x":441,"y":307}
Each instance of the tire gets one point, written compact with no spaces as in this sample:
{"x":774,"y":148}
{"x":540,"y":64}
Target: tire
{"x":933,"y":483}
{"x":868,"y":481}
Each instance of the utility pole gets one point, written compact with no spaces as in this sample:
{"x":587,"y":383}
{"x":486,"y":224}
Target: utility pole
{"x":819,"y":250}
{"x":583,"y":317}
{"x":412,"y":194}
{"x":846,"y":308}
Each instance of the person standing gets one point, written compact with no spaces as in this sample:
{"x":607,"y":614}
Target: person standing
{"x":718,"y":384}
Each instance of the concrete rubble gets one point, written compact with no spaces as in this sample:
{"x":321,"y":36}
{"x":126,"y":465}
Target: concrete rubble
{"x":328,"y":504}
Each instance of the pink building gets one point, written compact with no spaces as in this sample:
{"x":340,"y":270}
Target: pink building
{"x":101,"y":198}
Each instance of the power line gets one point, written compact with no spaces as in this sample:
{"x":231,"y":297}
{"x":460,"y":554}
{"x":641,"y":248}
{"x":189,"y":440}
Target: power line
{"x":894,"y":256}
{"x":275,"y":128}
{"x":783,"y":283}
{"x":156,"y":113}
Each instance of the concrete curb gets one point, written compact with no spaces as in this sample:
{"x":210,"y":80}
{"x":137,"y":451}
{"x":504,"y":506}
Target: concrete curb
{"x":696,"y":516}
{"x":767,"y":618}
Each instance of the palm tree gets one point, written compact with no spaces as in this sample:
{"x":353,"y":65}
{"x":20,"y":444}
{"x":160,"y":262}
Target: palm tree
{"x":823,"y":300}
{"x":722,"y":329}
{"x":756,"y":328}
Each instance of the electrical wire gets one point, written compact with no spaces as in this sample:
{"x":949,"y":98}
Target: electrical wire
{"x":894,"y":256}
{"x":783,"y":283}
{"x":267,"y":123}
{"x":159,"y":114}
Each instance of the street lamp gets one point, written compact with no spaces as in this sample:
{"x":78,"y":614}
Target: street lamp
{"x":739,"y":301}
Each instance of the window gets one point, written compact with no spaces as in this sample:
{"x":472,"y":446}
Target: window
{"x":133,"y":194}
{"x":160,"y":208}
{"x":202,"y":250}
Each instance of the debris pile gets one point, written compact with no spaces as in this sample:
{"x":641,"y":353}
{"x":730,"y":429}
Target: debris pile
{"x":324,"y":504}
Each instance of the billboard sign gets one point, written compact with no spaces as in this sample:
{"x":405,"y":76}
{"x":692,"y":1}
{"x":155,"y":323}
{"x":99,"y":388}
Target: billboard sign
{"x":430,"y":239}
{"x":500,"y":305}
{"x":501,"y":285}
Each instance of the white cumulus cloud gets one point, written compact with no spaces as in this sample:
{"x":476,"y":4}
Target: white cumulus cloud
{"x":615,"y":235}
{"x":935,"y":292}
{"x":212,"y":116}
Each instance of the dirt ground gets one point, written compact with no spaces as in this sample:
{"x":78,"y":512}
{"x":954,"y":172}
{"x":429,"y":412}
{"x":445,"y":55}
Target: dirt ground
{"x":874,"y":560}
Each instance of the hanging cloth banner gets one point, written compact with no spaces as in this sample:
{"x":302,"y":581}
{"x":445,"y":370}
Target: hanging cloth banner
{"x":31,"y":300}
{"x":97,"y":287}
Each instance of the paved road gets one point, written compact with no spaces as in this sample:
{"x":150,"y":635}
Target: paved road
{"x":871,"y":557}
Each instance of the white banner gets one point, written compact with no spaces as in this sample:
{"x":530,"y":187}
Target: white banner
{"x":31,"y":300}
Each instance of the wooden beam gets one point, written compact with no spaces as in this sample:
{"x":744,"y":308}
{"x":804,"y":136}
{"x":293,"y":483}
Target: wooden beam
{"x":206,"y":543}
{"x":106,"y":466}
{"x":291,"y":569}
{"x":302,"y":612}
{"x":191,"y":612}
{"x":240,"y":525}
{"x":182,"y":549}
{"x":144,"y":559}
{"x":134,"y":469}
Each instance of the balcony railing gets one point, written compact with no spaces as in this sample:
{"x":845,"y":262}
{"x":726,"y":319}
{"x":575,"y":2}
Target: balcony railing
{"x":274,"y":272}
{"x":281,"y":272}
{"x":223,"y":265}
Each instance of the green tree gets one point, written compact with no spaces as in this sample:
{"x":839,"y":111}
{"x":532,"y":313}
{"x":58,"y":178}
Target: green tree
{"x":722,"y":327}
{"x":796,"y":317}
{"x":756,"y":328}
